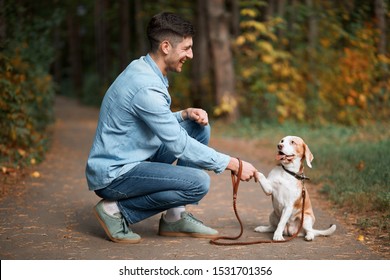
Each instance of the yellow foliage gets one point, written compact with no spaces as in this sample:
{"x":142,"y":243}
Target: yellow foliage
{"x":325,"y":42}
{"x":276,"y":67}
{"x":384,"y":59}
{"x":227,"y":106}
{"x":258,"y":26}
{"x":248,"y":72}
{"x":362,"y":101}
{"x":240,"y":40}
{"x":248,"y":12}
{"x":265,"y":46}
{"x":250,"y":37}
{"x":273,"y":73}
{"x":268,"y":59}
{"x":343,"y":84}
{"x":285,"y":72}
{"x":272,"y":87}
{"x":353,"y":81}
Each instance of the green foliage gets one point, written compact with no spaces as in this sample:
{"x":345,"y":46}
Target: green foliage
{"x":270,"y":86}
{"x":339,"y":78}
{"x":27,"y":89}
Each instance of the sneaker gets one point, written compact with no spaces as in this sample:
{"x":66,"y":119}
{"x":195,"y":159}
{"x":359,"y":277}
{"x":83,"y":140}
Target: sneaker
{"x":115,"y":226}
{"x":188,"y":225}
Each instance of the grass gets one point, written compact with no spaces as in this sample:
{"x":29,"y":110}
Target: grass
{"x":351,"y":164}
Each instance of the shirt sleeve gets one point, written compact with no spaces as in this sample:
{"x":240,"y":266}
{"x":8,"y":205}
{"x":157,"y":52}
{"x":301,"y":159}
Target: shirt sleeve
{"x":153,"y":107}
{"x":179,"y":116}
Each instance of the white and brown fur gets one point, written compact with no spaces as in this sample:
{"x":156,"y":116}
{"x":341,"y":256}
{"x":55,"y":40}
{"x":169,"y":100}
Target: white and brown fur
{"x":286,"y":191}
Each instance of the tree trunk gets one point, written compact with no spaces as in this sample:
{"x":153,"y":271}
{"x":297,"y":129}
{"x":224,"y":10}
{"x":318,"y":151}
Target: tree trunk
{"x":270,"y":10}
{"x":57,"y":64}
{"x":124,"y":34}
{"x":3,"y":26}
{"x":280,"y":13}
{"x":313,"y":26}
{"x":291,"y":20}
{"x":140,"y":31}
{"x":200,"y":67}
{"x":222,"y":60}
{"x":74,"y":51}
{"x":234,"y":10}
{"x":101,"y":40}
{"x":380,"y":12}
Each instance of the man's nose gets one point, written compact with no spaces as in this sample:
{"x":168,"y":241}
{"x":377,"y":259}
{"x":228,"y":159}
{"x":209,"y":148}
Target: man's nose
{"x":190,"y":54}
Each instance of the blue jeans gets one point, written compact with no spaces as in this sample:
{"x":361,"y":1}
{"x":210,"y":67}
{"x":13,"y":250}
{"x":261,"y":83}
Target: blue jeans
{"x":157,"y":185}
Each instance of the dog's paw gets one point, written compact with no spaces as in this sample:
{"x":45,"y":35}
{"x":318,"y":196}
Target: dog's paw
{"x":309,"y":236}
{"x":264,"y":229}
{"x":260,"y":175}
{"x":260,"y":229}
{"x":278,"y":237}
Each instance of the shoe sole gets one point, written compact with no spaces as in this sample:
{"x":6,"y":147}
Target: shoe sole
{"x":187,"y":234}
{"x":128,"y":241}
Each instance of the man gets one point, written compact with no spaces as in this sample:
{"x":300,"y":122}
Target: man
{"x":138,"y":138}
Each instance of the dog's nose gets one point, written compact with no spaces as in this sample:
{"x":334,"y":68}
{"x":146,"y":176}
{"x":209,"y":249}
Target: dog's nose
{"x":280,"y":146}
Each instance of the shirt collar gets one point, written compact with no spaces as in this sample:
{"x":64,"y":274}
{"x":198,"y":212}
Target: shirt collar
{"x":157,"y":70}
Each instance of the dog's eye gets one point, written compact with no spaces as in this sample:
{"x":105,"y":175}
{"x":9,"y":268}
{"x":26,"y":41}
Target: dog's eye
{"x":292,"y":142}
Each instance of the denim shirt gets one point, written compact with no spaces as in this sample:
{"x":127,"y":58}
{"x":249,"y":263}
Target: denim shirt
{"x":135,"y":119}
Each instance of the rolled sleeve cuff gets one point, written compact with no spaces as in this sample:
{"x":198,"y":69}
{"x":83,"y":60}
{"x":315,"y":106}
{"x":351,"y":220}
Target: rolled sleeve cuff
{"x":179,"y":116}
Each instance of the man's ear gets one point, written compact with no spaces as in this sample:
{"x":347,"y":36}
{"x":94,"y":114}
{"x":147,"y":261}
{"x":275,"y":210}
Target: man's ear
{"x":165,"y":46}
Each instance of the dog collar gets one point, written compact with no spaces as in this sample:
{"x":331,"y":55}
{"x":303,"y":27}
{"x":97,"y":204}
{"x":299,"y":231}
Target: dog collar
{"x":301,"y":176}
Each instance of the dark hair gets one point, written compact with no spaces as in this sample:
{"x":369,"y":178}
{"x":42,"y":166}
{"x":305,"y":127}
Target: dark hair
{"x":168,"y":26}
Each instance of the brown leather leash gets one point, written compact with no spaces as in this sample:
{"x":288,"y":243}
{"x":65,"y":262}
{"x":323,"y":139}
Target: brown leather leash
{"x":236,"y":183}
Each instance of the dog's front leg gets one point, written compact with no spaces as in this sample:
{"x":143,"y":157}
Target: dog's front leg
{"x":265,"y":183}
{"x":286,"y":213}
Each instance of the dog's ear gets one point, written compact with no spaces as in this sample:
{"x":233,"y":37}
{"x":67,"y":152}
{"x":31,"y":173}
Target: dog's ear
{"x":308,"y":156}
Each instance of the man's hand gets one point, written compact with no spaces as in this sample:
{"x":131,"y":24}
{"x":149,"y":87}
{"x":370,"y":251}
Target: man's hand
{"x":248,"y":170}
{"x":197,"y":115}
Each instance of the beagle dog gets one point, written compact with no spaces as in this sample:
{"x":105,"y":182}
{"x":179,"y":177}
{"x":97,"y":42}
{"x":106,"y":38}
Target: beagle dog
{"x":285,"y":184}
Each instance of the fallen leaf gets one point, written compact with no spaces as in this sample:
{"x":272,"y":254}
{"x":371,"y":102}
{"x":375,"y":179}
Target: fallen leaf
{"x":35,"y":174}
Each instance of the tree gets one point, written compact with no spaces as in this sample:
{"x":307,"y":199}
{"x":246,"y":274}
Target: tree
{"x":380,"y":12}
{"x":101,"y":28}
{"x":222,"y":60}
{"x":200,"y":70}
{"x":124,"y":34}
{"x":139,"y":38}
{"x":74,"y":50}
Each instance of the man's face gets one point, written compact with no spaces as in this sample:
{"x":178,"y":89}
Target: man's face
{"x":178,"y":55}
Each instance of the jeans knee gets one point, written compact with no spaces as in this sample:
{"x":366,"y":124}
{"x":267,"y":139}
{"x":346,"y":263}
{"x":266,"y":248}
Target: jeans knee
{"x":203,"y":183}
{"x":199,"y":132}
{"x":204,"y":135}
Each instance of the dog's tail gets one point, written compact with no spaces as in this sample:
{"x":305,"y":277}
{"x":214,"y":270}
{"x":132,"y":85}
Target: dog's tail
{"x":325,"y":232}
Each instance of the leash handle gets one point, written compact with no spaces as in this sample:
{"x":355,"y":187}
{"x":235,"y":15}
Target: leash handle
{"x":236,"y":179}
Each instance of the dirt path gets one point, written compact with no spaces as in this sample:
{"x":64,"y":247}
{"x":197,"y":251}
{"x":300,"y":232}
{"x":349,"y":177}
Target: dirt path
{"x":51,"y":217}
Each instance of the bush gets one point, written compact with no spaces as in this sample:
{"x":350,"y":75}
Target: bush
{"x":27,"y":90}
{"x":341,"y":79}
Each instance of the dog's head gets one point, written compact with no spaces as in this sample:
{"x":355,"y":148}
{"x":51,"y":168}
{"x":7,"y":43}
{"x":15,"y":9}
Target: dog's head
{"x":292,"y":148}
